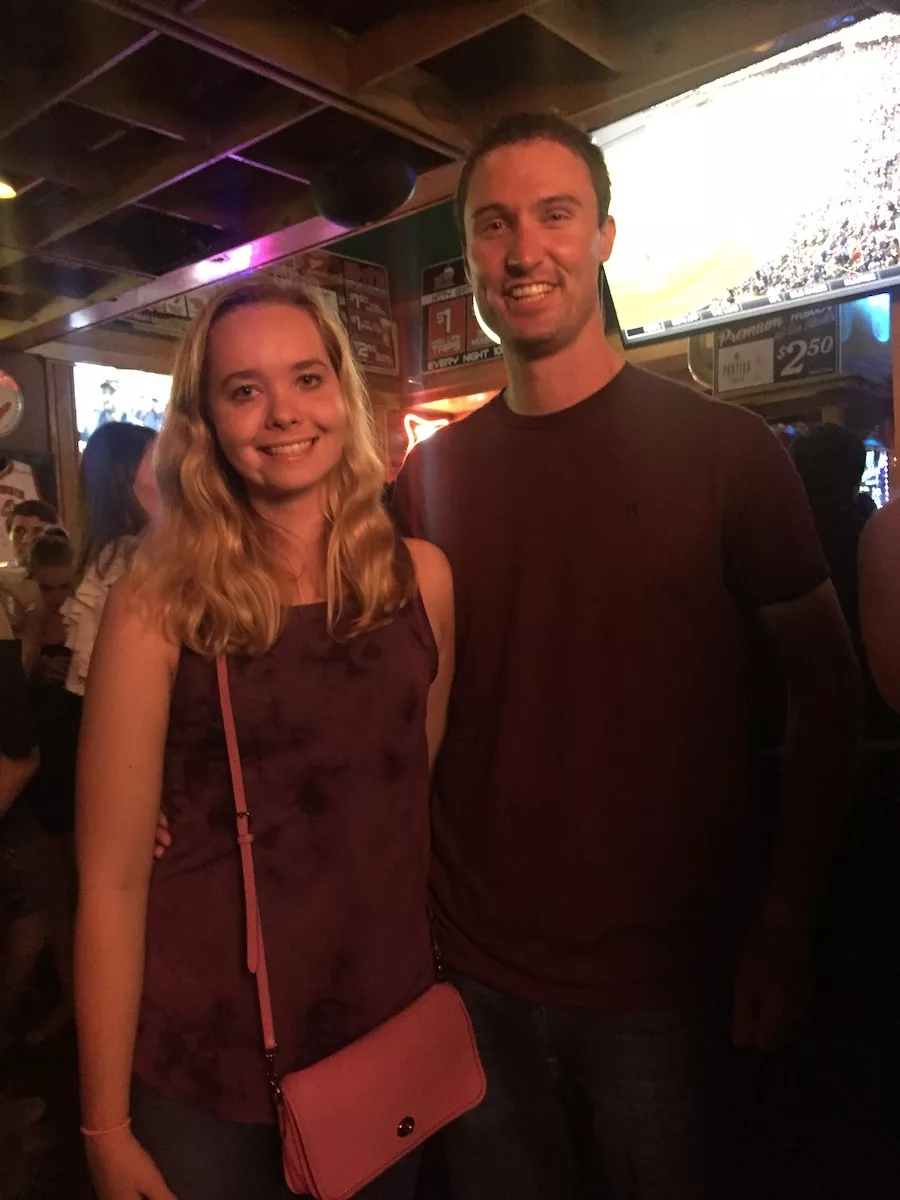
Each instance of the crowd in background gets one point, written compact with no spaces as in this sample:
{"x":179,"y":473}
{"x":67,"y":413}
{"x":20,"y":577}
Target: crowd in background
{"x":106,"y":411}
{"x":855,"y":228}
{"x":51,"y":619}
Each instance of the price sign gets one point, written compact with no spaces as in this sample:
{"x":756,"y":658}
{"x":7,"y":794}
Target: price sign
{"x":778,"y":349}
{"x":800,"y":356}
{"x":447,"y":329}
{"x":452,"y":336}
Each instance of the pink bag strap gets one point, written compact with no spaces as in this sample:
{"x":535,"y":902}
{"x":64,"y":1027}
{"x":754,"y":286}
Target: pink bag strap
{"x":256,"y":950}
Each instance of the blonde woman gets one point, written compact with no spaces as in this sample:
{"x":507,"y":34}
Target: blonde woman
{"x":272,"y":546}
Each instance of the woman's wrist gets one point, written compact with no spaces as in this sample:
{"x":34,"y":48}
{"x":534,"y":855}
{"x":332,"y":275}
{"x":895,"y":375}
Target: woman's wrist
{"x":104,"y":1130}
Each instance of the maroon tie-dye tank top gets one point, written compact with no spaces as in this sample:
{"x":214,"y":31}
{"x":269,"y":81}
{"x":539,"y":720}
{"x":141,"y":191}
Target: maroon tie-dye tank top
{"x":332,"y":740}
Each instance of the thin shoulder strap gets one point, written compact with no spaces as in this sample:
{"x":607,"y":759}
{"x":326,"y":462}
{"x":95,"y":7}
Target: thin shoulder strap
{"x":256,"y":950}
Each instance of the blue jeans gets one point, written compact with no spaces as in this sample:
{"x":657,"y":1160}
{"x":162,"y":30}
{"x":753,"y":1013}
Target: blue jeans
{"x":583,"y":1105}
{"x":203,"y":1157}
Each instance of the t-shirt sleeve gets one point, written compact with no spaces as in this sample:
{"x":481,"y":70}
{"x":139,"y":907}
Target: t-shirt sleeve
{"x":18,"y":733}
{"x":772,"y":551}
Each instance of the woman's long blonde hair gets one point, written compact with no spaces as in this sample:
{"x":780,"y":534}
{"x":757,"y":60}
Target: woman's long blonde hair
{"x":208,"y":565}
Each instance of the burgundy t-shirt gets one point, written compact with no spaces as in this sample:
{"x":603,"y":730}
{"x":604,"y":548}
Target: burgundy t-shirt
{"x":593,"y":824}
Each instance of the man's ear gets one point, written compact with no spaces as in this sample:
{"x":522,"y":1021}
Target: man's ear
{"x":605,"y":239}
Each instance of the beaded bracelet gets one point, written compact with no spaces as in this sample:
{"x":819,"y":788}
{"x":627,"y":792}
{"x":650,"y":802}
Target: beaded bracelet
{"x":96,"y":1133}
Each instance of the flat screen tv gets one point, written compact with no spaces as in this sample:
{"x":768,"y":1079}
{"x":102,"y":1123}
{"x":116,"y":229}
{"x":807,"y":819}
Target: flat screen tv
{"x":760,"y":191}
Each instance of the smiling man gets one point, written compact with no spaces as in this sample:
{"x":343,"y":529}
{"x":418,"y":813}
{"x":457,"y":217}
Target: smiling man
{"x":598,"y":885}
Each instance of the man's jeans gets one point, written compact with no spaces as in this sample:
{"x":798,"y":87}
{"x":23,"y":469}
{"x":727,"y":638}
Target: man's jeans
{"x":589,"y":1106}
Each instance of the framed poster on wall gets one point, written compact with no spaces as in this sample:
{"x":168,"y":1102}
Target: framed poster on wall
{"x":356,"y":291}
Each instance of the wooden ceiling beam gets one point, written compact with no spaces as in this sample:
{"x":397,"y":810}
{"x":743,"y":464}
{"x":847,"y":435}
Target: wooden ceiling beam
{"x":122,"y":100}
{"x":668,"y":54}
{"x":114,"y":348}
{"x":240,"y":206}
{"x":309,"y":232}
{"x":59,"y":308}
{"x":49,"y":281}
{"x":413,"y":37}
{"x":317,"y":56}
{"x":187,"y":206}
{"x":20,"y":307}
{"x":60,"y":166}
{"x":86,"y":250}
{"x":23,"y":189}
{"x":82,"y":251}
{"x":57,"y":164}
{"x":284,"y":166}
{"x":661,"y":56}
{"x":282,"y":110}
{"x":310,"y":57}
{"x":312,"y":51}
{"x":314,"y":231}
{"x":10,"y":255}
{"x":586,"y":25}
{"x":28,"y":289}
{"x":569,"y":98}
{"x":104,"y":44}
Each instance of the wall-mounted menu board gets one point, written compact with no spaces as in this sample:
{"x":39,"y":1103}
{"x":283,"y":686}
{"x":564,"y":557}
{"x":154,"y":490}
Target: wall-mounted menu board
{"x":361,"y":296}
{"x":451,"y":334}
{"x":357,"y":291}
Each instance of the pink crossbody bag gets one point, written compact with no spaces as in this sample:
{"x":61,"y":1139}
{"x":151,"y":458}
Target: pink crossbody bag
{"x":350,"y":1117}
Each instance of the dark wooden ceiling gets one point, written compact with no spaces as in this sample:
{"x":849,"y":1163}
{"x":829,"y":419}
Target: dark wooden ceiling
{"x":144,"y":135}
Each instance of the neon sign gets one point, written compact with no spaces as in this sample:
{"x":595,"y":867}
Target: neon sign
{"x":420,"y":429}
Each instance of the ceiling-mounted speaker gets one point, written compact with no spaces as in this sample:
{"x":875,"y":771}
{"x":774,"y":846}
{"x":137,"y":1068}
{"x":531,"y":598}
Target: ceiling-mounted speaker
{"x":362,"y":189}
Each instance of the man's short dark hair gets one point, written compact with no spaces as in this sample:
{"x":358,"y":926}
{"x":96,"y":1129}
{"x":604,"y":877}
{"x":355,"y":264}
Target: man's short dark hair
{"x":32,"y":508}
{"x":535,"y":127}
{"x":52,"y":549}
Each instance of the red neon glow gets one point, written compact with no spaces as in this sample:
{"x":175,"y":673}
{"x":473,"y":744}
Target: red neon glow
{"x":419,"y":429}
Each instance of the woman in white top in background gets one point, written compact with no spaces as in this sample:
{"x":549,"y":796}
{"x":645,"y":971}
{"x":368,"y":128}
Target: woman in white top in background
{"x":118,"y":497}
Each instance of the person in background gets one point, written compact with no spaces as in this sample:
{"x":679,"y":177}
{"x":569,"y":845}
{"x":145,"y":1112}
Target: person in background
{"x":155,"y":414}
{"x":51,"y":566}
{"x":22,"y":898}
{"x":24,"y":523}
{"x":21,"y":936}
{"x":118,"y":497}
{"x":597,"y":885}
{"x":51,"y":793}
{"x":272,"y":547}
{"x":879,"y":599}
{"x":107,"y":413}
{"x":830,"y":460}
{"x":877,"y":899}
